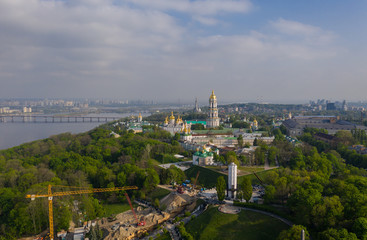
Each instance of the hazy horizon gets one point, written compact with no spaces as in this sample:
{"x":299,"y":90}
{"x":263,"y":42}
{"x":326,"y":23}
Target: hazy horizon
{"x":176,"y":50}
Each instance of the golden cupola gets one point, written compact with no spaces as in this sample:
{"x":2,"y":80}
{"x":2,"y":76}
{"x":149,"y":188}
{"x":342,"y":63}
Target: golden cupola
{"x":187,"y":130}
{"x":179,"y":120}
{"x":213,"y":95}
{"x":172,"y":117}
{"x":166,"y":120}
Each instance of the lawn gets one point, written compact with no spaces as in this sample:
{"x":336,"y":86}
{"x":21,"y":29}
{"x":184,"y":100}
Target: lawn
{"x":254,"y":180}
{"x":164,"y":236}
{"x":158,"y":193}
{"x":115,"y":208}
{"x":246,"y":225}
{"x":250,"y":169}
{"x":208,"y":176}
{"x":244,"y":170}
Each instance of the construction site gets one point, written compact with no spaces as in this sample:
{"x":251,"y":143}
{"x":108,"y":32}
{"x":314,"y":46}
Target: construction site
{"x":132,"y":224}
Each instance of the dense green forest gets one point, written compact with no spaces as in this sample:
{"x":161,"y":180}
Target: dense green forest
{"x":320,"y":186}
{"x":93,"y":159}
{"x":319,"y":189}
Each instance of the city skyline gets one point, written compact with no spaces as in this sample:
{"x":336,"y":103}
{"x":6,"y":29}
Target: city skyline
{"x":246,"y":51}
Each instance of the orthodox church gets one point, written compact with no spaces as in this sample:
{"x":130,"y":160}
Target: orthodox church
{"x":173,"y":125}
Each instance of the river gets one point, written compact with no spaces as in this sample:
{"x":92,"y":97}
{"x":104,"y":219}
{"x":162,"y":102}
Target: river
{"x":14,"y":134}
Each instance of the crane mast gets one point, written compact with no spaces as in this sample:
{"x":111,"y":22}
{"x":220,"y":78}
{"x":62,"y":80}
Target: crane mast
{"x":51,"y":194}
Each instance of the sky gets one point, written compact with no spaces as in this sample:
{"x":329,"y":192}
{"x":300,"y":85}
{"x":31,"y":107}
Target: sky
{"x":175,"y":50}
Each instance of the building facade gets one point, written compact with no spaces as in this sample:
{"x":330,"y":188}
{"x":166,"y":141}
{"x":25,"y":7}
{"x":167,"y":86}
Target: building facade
{"x":203,"y":158}
{"x":332,"y":124}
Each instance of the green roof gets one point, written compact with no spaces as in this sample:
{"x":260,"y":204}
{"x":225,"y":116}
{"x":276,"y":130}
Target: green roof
{"x":203,"y":154}
{"x":196,"y":122}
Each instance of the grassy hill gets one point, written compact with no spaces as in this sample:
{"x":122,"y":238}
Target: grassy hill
{"x":246,"y":225}
{"x":208,"y":177}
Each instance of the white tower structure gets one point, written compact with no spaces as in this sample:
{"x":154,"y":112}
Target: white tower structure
{"x":140,"y":118}
{"x":232,"y":180}
{"x":213,"y":120}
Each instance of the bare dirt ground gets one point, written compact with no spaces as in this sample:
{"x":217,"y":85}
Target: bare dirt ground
{"x":125,"y":225}
{"x":229,"y":209}
{"x":174,"y":203}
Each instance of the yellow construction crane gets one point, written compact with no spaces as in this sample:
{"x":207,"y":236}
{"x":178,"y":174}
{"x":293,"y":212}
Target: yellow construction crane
{"x":51,"y":194}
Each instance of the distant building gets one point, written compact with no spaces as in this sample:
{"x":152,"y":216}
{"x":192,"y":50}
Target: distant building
{"x":360,"y":149}
{"x":330,"y":106}
{"x":203,"y":158}
{"x":330,"y":139}
{"x":254,"y":125}
{"x":332,"y":124}
{"x":27,"y":109}
{"x":197,"y":109}
{"x":344,"y":106}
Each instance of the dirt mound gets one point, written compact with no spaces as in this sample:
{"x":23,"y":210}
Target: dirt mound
{"x":174,"y":202}
{"x":127,"y":226}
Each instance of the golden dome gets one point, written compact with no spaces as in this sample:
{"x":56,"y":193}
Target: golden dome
{"x":166,"y":120}
{"x":179,"y":120}
{"x":213,"y":96}
{"x":172,"y":117}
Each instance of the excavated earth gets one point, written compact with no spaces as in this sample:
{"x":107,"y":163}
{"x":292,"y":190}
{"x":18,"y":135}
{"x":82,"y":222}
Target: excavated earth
{"x":126,"y":224}
{"x":175,"y":203}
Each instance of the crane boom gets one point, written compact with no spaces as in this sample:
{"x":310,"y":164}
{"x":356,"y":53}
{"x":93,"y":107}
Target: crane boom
{"x":131,"y":206}
{"x":258,"y":177}
{"x":84,"y":191}
{"x":51,"y":194}
{"x":197,"y":176}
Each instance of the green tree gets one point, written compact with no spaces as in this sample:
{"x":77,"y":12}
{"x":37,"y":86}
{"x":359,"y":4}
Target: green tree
{"x":302,"y":202}
{"x":156,"y":203}
{"x":197,"y":126}
{"x":345,"y":137}
{"x":63,"y":218}
{"x":336,"y":234}
{"x":360,"y":227}
{"x":240,"y":141}
{"x":328,"y":213}
{"x":232,"y":157}
{"x":221,"y":188}
{"x":246,"y":189}
{"x":269,"y":193}
{"x":259,"y":156}
{"x":294,"y":233}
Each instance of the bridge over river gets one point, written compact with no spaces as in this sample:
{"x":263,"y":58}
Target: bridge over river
{"x":53,"y":119}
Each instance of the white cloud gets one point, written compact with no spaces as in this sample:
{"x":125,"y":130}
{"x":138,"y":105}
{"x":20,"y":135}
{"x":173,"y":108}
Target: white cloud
{"x":198,"y":7}
{"x":97,"y":48}
{"x":206,"y":20}
{"x":312,"y":33}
